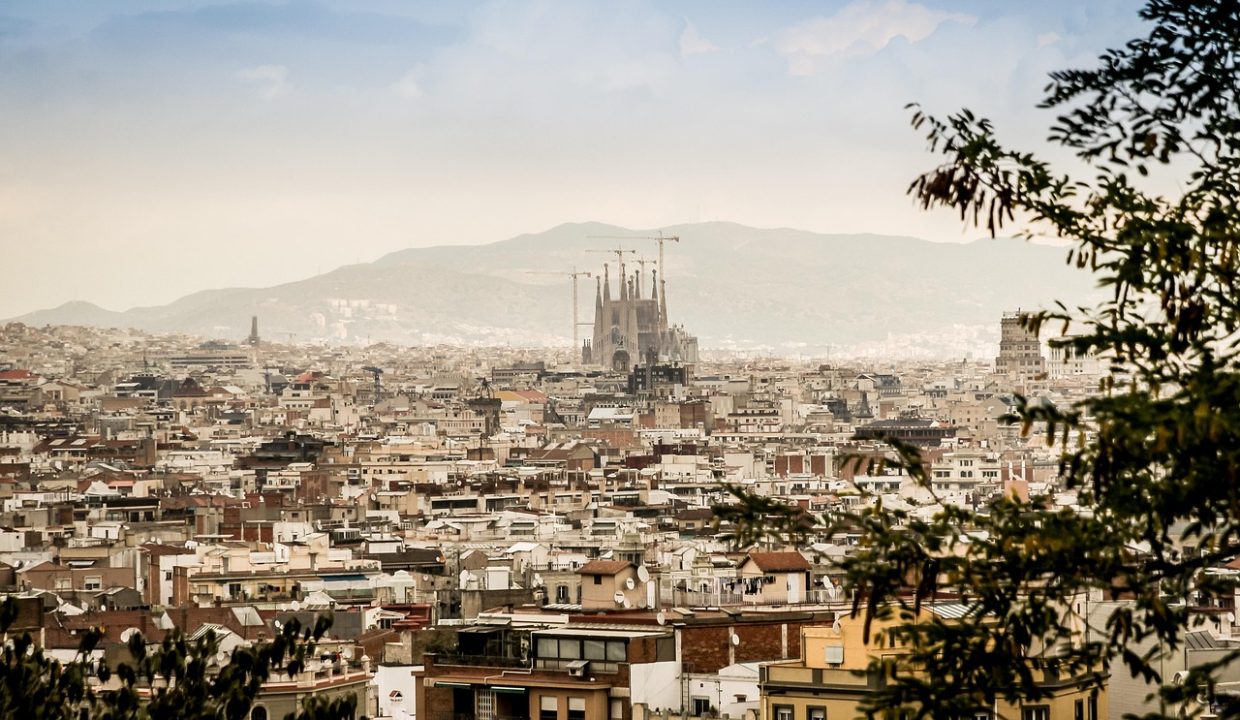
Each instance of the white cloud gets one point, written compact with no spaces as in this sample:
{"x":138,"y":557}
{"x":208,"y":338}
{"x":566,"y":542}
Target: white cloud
{"x":272,"y":80}
{"x":860,"y":28}
{"x":410,"y":85}
{"x":693,"y":44}
{"x":524,"y":57}
{"x":1049,"y":38}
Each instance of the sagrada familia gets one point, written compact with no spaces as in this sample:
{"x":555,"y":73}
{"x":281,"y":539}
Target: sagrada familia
{"x":632,"y":329}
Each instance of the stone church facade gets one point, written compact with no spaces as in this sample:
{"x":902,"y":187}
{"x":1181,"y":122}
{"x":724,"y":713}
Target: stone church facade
{"x":632,"y":328}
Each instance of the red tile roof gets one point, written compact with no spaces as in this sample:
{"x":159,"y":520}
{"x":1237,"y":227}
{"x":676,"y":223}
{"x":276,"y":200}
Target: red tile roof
{"x":604,"y":567}
{"x":790,"y":561}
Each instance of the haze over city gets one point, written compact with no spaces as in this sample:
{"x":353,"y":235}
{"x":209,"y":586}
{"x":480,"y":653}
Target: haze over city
{"x":260,"y":143}
{"x":619,"y":360}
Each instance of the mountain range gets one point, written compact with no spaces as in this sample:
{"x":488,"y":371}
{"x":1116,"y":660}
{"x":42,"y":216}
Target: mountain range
{"x":734,"y":286}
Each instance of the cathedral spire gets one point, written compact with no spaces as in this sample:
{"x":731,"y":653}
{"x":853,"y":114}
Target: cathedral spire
{"x":606,"y":283}
{"x":600,"y":330}
{"x":663,"y":304}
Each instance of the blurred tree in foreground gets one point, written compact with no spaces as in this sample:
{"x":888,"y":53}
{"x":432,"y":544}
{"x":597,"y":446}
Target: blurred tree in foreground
{"x":178,"y":678}
{"x":1155,"y":456}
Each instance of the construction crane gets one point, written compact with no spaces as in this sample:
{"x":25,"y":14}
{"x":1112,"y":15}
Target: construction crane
{"x":619,"y":257}
{"x":643,"y":262}
{"x":618,"y":251}
{"x":660,"y":238}
{"x":574,"y":275}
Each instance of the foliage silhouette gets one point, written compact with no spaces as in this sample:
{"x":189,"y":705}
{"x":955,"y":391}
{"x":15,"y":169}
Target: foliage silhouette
{"x":1154,"y":457}
{"x":181,"y":677}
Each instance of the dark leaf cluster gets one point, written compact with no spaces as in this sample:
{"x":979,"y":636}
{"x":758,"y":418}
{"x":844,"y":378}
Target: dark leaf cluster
{"x":1154,"y":456}
{"x":182,"y":677}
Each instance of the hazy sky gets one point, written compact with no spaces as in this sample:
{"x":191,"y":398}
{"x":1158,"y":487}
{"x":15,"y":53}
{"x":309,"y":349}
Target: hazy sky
{"x":149,"y":149}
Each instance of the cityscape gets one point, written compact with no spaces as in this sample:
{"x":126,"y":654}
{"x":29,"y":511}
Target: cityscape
{"x":546,"y":510}
{"x":671,"y":464}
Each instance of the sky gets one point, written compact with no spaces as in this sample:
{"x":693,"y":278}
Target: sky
{"x":153,"y":148}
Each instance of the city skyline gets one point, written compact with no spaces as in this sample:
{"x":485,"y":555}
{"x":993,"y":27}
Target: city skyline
{"x":270,"y":142}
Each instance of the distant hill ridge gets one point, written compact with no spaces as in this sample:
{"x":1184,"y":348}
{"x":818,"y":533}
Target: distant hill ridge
{"x":730,"y":284}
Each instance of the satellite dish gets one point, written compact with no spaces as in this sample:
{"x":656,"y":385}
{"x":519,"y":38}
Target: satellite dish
{"x":295,"y":605}
{"x":618,"y":597}
{"x":538,"y":580}
{"x":643,"y":574}
{"x":629,"y":584}
{"x":661,"y":618}
{"x":627,"y":603}
{"x":128,"y":633}
{"x":736,"y":640}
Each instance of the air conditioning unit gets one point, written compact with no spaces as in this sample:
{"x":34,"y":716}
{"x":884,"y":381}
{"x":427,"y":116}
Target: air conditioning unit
{"x":578,"y":668}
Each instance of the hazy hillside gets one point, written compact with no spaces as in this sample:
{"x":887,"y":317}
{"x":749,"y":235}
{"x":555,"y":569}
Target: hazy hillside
{"x":730,"y":284}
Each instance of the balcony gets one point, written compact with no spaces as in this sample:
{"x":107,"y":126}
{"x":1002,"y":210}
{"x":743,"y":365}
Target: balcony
{"x":442,"y":715}
{"x":482,"y":661}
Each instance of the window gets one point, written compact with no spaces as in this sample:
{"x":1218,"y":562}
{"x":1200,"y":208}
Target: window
{"x":93,"y":582}
{"x":616,"y":651}
{"x":701,"y":706}
{"x":598,"y":579}
{"x":1093,"y":705}
{"x":576,"y":708}
{"x":594,"y":650}
{"x":617,"y":709}
{"x":1036,"y":712}
{"x":258,"y":713}
{"x":1078,"y":710}
{"x":816,"y":713}
{"x":783,"y":712}
{"x":548,"y":707}
{"x":552,"y":651}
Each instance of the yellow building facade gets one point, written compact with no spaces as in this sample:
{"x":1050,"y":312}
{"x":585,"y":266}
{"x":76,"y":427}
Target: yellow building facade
{"x":832,"y":680}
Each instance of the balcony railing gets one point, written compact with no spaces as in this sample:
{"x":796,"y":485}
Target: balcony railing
{"x":482,"y":661}
{"x":692,"y":598}
{"x":443,"y":715}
